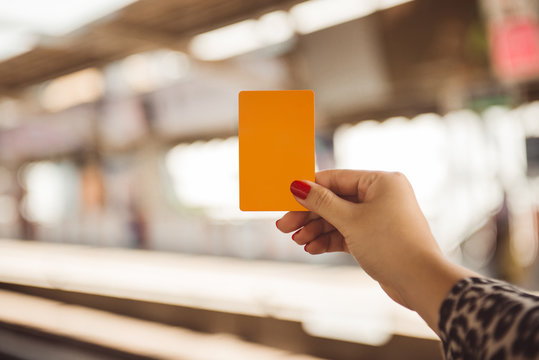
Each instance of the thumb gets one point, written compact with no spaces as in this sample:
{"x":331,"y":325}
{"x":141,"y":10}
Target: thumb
{"x":321,"y":201}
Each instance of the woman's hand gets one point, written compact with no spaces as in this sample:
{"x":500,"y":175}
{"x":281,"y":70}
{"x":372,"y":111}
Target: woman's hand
{"x":375,"y":217}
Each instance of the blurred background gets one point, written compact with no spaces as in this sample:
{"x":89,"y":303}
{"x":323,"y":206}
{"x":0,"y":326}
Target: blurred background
{"x":121,"y":236}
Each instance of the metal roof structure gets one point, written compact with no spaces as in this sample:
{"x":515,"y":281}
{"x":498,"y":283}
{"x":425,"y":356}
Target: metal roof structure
{"x":143,"y":25}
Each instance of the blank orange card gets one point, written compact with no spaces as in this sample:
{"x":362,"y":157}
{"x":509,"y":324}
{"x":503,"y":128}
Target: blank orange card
{"x":276,"y":144}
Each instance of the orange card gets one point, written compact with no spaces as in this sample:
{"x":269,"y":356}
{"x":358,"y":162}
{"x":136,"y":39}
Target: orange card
{"x":276,"y":144}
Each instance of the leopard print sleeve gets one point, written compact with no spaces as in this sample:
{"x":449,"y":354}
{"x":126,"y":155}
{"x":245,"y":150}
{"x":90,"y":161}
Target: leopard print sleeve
{"x":489,"y":320}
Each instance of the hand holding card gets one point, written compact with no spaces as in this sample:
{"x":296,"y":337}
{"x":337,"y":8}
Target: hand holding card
{"x":276,"y":146}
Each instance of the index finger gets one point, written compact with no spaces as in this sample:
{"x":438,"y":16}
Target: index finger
{"x":294,"y":220}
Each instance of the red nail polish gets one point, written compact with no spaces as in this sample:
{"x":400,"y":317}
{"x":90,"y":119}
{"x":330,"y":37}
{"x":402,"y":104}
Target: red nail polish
{"x":300,"y":189}
{"x":277,"y":223}
{"x":294,"y":234}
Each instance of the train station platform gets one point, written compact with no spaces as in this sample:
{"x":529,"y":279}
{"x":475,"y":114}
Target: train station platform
{"x":130,"y":299}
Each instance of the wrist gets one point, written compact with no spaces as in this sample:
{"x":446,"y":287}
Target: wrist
{"x":430,"y":280}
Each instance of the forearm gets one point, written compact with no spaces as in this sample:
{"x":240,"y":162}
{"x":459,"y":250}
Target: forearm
{"x":431,"y":279}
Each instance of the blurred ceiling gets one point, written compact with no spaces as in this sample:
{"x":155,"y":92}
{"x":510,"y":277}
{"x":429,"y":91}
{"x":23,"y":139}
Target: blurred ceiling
{"x":143,"y":25}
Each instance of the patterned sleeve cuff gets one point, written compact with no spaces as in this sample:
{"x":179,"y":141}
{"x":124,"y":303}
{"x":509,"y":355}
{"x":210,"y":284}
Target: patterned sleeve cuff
{"x":488,"y":319}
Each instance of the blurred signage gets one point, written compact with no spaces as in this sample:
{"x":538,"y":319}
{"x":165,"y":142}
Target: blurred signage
{"x":515,"y":48}
{"x":201,"y":106}
{"x":48,"y":135}
{"x":513,"y":29}
{"x":207,"y":102}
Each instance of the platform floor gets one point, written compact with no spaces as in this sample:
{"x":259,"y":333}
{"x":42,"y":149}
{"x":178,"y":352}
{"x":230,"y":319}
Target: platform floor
{"x":333,"y":302}
{"x":145,"y":338}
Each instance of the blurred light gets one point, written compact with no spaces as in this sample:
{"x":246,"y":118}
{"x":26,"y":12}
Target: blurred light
{"x":386,"y":4}
{"x":137,"y":73}
{"x":169,"y":65}
{"x":205,"y":176}
{"x":278,"y":26}
{"x":446,"y":160}
{"x":22,"y":21}
{"x":413,"y":147}
{"x":508,"y":150}
{"x":14,"y":42}
{"x":226,"y":42}
{"x":529,"y":115}
{"x":46,"y":192}
{"x":73,"y":89}
{"x":148,"y":71}
{"x":314,"y":15}
{"x":275,"y":27}
{"x":56,"y":17}
{"x":242,"y":37}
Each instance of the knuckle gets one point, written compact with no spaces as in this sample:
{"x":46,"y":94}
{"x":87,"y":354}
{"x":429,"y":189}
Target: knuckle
{"x":398,"y":181}
{"x":312,"y":229}
{"x":323,"y":200}
{"x":398,"y":176}
{"x":307,"y":231}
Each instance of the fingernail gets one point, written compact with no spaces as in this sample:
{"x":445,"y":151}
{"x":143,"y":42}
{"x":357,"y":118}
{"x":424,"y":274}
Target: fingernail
{"x":294,"y":234}
{"x":305,"y":247}
{"x":277,"y":223}
{"x":300,"y":189}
